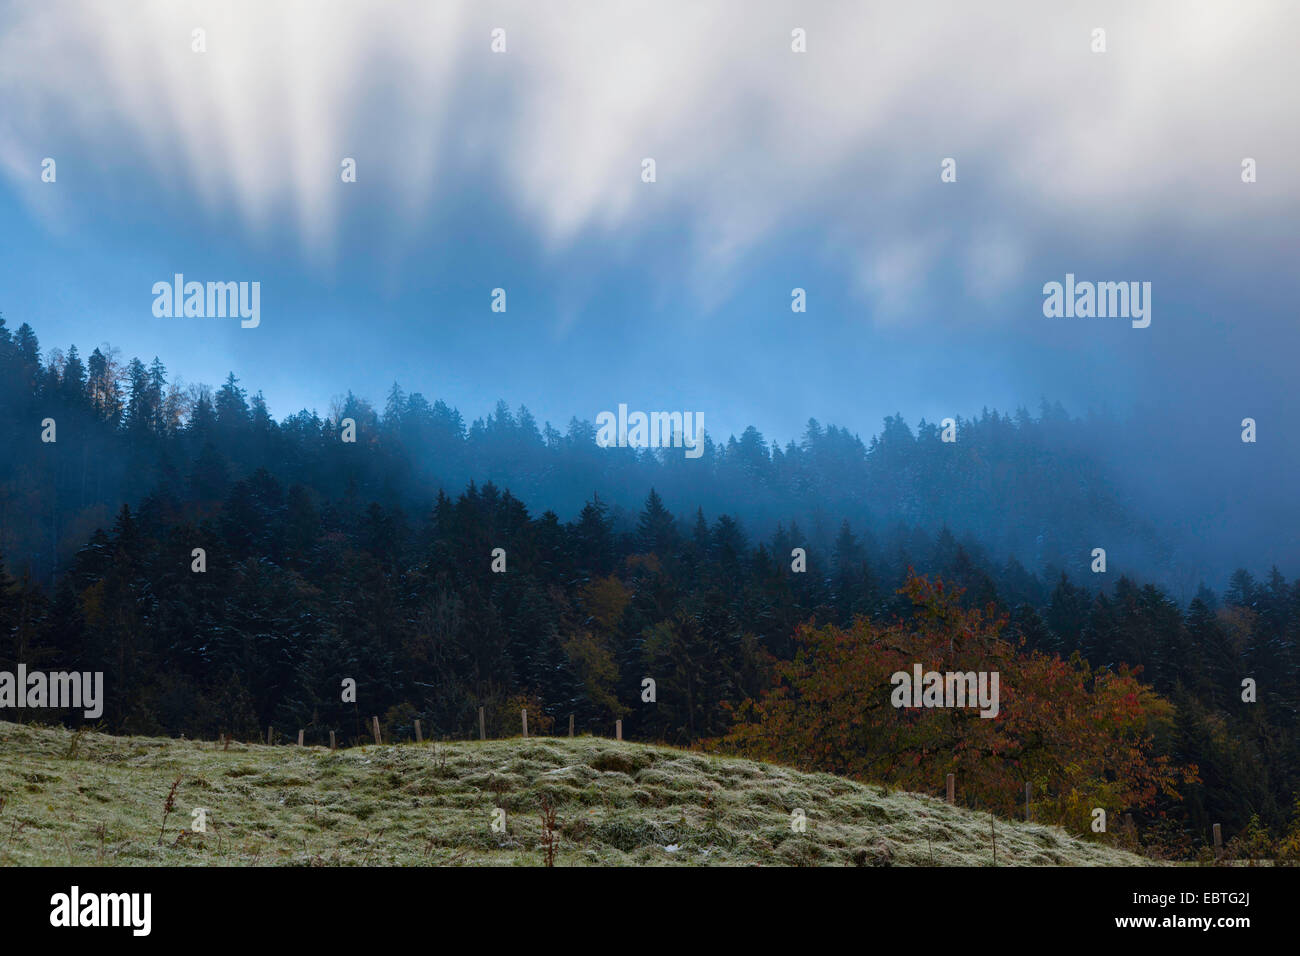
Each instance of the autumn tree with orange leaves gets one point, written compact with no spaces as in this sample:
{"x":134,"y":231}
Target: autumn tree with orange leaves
{"x":1082,"y":738}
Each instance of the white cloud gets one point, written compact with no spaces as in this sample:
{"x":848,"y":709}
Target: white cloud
{"x":749,"y":137}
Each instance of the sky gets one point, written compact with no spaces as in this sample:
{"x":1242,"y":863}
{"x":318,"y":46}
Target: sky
{"x":775,"y":170}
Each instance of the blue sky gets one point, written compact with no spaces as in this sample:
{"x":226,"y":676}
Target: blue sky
{"x":775,"y":170}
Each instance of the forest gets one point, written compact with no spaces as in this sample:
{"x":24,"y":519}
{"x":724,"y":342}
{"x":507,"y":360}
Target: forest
{"x":324,"y":560}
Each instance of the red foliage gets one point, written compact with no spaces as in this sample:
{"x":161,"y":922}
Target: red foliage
{"x":1082,"y":738}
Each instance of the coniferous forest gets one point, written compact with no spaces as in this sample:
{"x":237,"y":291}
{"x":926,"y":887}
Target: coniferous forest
{"x":227,"y":571}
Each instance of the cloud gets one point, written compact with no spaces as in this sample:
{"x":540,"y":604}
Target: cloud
{"x":750,"y":139}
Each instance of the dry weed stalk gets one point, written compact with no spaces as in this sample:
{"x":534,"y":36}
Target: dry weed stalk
{"x":549,"y":838}
{"x":168,"y":806}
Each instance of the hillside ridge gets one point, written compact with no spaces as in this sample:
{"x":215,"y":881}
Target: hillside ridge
{"x":93,"y":799}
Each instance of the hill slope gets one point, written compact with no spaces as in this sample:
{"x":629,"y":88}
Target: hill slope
{"x":94,"y":799}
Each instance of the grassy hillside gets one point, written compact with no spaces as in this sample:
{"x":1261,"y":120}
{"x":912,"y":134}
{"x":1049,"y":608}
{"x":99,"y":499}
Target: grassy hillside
{"x":94,"y":799}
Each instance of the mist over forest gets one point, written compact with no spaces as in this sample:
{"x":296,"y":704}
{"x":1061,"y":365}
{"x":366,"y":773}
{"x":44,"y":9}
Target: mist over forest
{"x":1037,"y":490}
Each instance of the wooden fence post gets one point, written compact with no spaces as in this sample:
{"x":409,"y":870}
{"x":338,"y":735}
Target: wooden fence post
{"x":952,"y":788}
{"x":374,"y":726}
{"x":299,"y":737}
{"x":268,"y":735}
{"x":1028,"y":788}
{"x":482,"y":725}
{"x":618,"y":730}
{"x":570,"y":726}
{"x":1218,"y":841}
{"x":523,"y":712}
{"x":419,"y":737}
{"x":331,"y":740}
